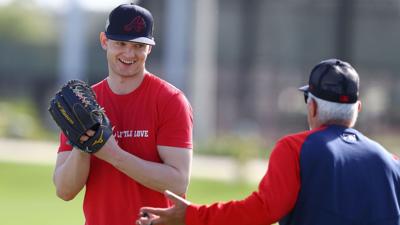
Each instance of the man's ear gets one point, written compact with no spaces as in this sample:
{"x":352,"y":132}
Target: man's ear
{"x":314,"y":108}
{"x":359,"y":106}
{"x":149,"y":51}
{"x":103,"y":40}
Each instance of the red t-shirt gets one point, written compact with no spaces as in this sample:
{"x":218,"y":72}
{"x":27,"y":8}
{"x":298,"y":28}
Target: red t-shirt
{"x":156,"y":113}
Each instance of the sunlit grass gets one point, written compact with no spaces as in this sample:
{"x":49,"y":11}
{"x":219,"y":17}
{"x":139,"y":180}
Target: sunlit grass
{"x":27,"y":196}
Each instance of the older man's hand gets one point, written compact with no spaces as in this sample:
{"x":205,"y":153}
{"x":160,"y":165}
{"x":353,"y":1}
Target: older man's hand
{"x":175,"y":215}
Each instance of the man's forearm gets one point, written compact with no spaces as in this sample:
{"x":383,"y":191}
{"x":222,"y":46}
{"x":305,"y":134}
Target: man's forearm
{"x":71,"y":173}
{"x":156,"y":176}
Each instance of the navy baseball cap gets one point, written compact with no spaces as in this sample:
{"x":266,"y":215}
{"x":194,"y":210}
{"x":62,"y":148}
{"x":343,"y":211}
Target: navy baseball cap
{"x":129,"y":22}
{"x":335,"y":81}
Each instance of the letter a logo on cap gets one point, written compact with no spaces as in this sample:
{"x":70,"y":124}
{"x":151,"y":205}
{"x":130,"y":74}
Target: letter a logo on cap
{"x":137,"y":24}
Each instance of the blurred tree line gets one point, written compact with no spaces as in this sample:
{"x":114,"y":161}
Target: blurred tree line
{"x":30,"y":43}
{"x":28,"y":59}
{"x":265,"y":51}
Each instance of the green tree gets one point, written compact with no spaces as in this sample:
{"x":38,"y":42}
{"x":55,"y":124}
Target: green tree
{"x":23,"y":22}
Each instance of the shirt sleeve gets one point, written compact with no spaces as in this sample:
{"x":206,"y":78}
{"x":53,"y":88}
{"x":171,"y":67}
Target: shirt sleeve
{"x":276,"y":195}
{"x":64,"y":144}
{"x":176,"y":123}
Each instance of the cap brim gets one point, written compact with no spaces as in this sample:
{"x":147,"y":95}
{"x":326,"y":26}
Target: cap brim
{"x":304,"y":88}
{"x":143,"y":40}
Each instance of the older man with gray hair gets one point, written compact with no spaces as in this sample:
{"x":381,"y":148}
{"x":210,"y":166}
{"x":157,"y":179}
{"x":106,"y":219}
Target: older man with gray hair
{"x":329,"y":175}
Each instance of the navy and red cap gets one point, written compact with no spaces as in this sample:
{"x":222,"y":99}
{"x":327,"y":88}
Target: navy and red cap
{"x":335,"y":81}
{"x":129,"y":22}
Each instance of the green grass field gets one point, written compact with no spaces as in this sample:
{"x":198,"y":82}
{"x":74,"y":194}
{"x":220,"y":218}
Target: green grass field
{"x":27,"y":196}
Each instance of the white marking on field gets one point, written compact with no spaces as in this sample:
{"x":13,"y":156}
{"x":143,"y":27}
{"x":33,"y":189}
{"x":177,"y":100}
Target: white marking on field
{"x":24,"y":151}
{"x":208,"y":167}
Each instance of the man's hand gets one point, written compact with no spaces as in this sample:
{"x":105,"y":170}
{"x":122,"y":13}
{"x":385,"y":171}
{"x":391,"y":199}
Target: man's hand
{"x":87,"y":135}
{"x":174,"y":215}
{"x":110,"y":146}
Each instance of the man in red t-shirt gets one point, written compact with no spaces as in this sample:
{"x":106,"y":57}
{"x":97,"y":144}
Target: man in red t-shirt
{"x":151,"y":149}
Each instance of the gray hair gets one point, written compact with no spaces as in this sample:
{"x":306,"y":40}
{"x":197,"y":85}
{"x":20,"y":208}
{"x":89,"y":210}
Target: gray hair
{"x":335,"y":113}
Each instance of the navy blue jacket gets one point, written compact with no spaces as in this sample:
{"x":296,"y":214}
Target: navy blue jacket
{"x":346,"y":179}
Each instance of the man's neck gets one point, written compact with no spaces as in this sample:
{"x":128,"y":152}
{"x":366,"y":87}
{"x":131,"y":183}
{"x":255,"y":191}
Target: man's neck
{"x":338,"y":123}
{"x":123,"y":85}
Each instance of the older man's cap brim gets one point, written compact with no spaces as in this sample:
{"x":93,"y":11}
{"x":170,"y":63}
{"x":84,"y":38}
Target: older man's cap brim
{"x":304,"y":88}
